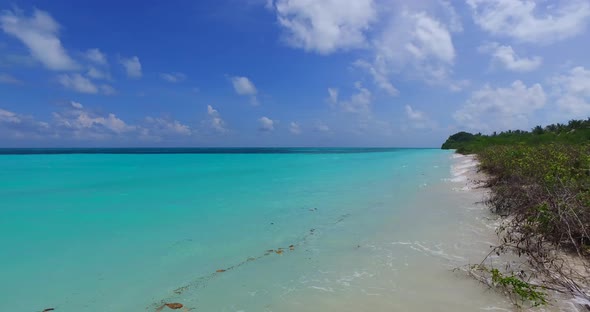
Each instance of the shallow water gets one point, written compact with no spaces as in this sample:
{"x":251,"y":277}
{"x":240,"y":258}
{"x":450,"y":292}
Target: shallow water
{"x":369,"y":230}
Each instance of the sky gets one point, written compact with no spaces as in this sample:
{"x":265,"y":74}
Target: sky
{"x":383,"y":73}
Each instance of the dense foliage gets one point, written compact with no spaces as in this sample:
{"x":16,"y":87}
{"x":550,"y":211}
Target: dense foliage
{"x":540,"y":181}
{"x":575,"y":132}
{"x":546,"y":189}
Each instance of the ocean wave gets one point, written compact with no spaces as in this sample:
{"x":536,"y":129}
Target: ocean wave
{"x":462,"y":168}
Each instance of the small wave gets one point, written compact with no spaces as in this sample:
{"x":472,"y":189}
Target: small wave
{"x":436,"y":251}
{"x":495,"y":309}
{"x":461,"y":170}
{"x":326,"y":289}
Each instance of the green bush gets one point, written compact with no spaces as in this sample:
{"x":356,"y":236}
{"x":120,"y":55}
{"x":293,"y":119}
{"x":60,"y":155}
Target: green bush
{"x":541,"y":181}
{"x":545,"y":187}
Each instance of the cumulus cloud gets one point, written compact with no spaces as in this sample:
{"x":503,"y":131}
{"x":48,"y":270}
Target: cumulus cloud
{"x":573,"y":92}
{"x":266,"y":124}
{"x":415,"y":115}
{"x":418,"y":119}
{"x":9,"y":79}
{"x":162,"y":127}
{"x":76,"y":105}
{"x":95,"y":73}
{"x":81,"y":123}
{"x":379,"y":74}
{"x":294,"y":128}
{"x":453,"y":18}
{"x":321,"y":127}
{"x":414,"y":43}
{"x":18,"y":126}
{"x":84,"y":123}
{"x":40,"y":33}
{"x":77,"y":122}
{"x":412,"y":38}
{"x":8,"y":117}
{"x":244,"y":86}
{"x":107,"y":89}
{"x":132,"y":66}
{"x":501,"y":108}
{"x":333,"y":95}
{"x":173,"y":77}
{"x":77,"y":83}
{"x":325,"y":26}
{"x":575,"y":81}
{"x":215,"y":120}
{"x":96,"y":56}
{"x":359,"y":102}
{"x":505,"y":56}
{"x":525,"y":21}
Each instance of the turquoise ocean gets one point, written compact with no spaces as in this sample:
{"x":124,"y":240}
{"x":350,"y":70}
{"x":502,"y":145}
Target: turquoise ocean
{"x":238,"y":230}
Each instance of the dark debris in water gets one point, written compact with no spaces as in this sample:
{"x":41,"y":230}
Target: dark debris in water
{"x":203,"y":280}
{"x":173,"y":306}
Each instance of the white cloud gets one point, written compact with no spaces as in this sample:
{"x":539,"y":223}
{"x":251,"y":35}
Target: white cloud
{"x":415,"y":115}
{"x":576,"y":81}
{"x":95,"y":73}
{"x":9,"y":79}
{"x":215,"y":121}
{"x":243,"y":86}
{"x":77,"y":83}
{"x":454,"y":20}
{"x":359,"y":102}
{"x":76,"y":105}
{"x":333,"y":95}
{"x":379,"y":75}
{"x":506,"y":56}
{"x":501,"y":108}
{"x":8,"y":117}
{"x":429,"y":39}
{"x":81,"y":123}
{"x":132,"y":66}
{"x":95,"y":56}
{"x":17,"y":126}
{"x":413,"y":43}
{"x":266,"y":124}
{"x":325,"y":26}
{"x":294,"y":128}
{"x":573,"y":107}
{"x":107,"y":89}
{"x":525,"y":21}
{"x":418,"y":118}
{"x":40,"y":33}
{"x":82,"y":84}
{"x":458,"y":85}
{"x":160,"y":127}
{"x":77,"y":122}
{"x":173,"y":77}
{"x":321,"y":127}
{"x":573,"y":92}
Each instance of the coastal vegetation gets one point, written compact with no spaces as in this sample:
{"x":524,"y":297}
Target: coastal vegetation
{"x":539,"y":182}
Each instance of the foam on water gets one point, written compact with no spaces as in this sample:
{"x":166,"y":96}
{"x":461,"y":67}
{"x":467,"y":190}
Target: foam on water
{"x":462,"y":167}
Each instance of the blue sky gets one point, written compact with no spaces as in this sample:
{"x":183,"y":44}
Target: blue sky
{"x":287,"y":72}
